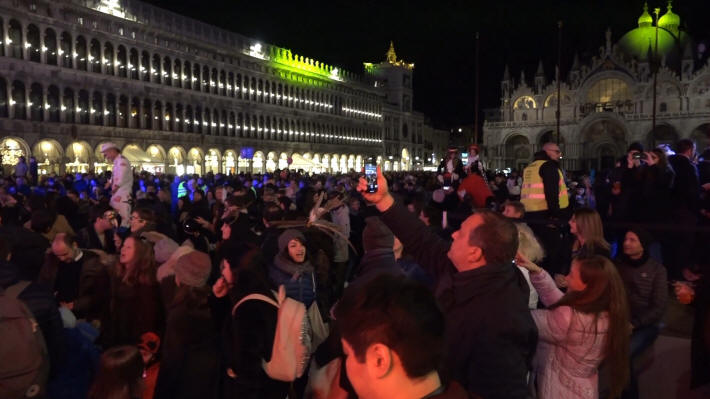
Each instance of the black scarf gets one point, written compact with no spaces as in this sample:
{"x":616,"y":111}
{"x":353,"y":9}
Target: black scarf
{"x":635,"y":262}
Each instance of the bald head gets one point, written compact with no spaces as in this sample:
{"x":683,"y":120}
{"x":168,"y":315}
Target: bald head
{"x":65,"y":247}
{"x":553,"y":151}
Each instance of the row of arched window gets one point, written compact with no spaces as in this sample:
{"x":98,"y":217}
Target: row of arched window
{"x":67,"y":105}
{"x":127,"y":62}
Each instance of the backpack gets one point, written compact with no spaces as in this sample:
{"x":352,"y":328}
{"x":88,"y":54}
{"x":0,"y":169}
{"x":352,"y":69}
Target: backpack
{"x":291,"y":349}
{"x":24,"y":368}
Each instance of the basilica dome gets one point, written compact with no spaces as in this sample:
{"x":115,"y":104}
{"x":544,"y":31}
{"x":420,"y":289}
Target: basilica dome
{"x":641,"y":42}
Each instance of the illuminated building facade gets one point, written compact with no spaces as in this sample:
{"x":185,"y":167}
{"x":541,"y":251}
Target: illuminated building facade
{"x":181,"y":96}
{"x":607,"y":103}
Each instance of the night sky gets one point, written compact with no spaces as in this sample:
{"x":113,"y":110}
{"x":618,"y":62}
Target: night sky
{"x":438,"y":36}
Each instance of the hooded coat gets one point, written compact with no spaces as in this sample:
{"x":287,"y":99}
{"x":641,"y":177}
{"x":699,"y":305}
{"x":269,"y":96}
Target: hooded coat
{"x":190,"y":361}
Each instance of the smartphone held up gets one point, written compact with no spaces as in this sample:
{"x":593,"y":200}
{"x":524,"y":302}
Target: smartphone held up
{"x":371,"y":177}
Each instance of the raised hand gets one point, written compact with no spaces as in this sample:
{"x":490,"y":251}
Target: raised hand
{"x":382,"y":199}
{"x":522,"y":261}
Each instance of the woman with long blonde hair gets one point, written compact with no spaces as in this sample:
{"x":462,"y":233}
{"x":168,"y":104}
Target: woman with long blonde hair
{"x":586,"y":227}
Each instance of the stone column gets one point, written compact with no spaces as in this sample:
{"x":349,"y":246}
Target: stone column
{"x":45,"y":111}
{"x":5,"y":36}
{"x":28,"y":108}
{"x":42,"y":51}
{"x":76,"y":104}
{"x":139,"y":121}
{"x":23,"y":48}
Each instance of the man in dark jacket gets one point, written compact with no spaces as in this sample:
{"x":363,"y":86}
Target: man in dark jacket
{"x":40,"y":301}
{"x":80,"y":280}
{"x":647,"y":292}
{"x":547,"y":210}
{"x":99,"y":234}
{"x":685,"y":205}
{"x":490,"y":334}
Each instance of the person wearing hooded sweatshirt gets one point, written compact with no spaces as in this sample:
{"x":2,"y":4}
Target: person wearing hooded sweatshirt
{"x":378,"y":244}
{"x":292,"y":269}
{"x":646,"y":286}
{"x":189,"y":365}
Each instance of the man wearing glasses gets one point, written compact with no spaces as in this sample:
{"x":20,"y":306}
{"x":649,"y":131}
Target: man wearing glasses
{"x":544,"y":194}
{"x":99,"y":233}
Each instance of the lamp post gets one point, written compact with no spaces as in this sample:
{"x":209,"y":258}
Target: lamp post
{"x":475,"y":125}
{"x":558,"y":73}
{"x":654,"y":65}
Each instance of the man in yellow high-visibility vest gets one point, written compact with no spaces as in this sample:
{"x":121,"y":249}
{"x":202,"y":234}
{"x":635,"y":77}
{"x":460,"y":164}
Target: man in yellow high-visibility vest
{"x":544,"y":195}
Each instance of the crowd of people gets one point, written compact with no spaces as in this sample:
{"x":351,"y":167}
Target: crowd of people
{"x":462,"y":283}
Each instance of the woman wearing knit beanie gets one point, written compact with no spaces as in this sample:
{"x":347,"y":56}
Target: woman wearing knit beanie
{"x":190,"y":360}
{"x":292,"y":268}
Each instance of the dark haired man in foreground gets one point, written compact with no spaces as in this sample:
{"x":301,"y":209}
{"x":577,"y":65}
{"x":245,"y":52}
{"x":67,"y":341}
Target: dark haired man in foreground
{"x":393,"y":339}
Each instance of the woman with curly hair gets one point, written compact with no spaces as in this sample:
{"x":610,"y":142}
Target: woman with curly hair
{"x":136,"y":306}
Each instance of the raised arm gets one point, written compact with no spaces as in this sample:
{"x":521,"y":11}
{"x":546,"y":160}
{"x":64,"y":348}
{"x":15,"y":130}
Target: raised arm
{"x":429,"y":250}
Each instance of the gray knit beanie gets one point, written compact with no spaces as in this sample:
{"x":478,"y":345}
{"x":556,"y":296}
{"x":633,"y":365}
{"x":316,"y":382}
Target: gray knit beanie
{"x":289,"y":235}
{"x":193,"y":268}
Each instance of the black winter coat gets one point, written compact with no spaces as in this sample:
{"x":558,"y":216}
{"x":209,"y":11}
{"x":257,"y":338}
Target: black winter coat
{"x":28,"y":249}
{"x":92,"y":293}
{"x":40,"y":301}
{"x":248,"y":338}
{"x":89,"y":239}
{"x":686,"y":189}
{"x":134,"y":310}
{"x":654,"y":198}
{"x":700,"y":343}
{"x":189,"y":366}
{"x":490,"y":334}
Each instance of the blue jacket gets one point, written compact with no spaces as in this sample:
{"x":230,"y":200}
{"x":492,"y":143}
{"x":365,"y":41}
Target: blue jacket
{"x":300,"y":287}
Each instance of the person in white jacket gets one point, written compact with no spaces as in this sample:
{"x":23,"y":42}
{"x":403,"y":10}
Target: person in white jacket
{"x":580,"y":329}
{"x":121,"y":183}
